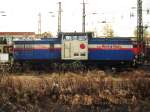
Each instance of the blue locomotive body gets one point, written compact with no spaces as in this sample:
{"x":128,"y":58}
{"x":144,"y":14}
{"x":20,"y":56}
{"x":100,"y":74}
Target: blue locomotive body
{"x":73,"y":46}
{"x":112,"y":49}
{"x":37,"y":50}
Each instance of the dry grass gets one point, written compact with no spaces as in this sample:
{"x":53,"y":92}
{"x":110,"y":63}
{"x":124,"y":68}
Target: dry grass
{"x":70,"y":92}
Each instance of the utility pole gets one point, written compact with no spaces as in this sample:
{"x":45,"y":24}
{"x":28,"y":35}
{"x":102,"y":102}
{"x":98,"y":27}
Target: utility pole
{"x":140,"y":36}
{"x":83,"y":17}
{"x":39,"y":24}
{"x":59,"y":17}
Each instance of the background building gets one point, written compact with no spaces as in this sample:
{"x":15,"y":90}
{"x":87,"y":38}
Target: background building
{"x":17,"y":34}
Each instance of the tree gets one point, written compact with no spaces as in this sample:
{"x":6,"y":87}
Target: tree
{"x":108,"y":31}
{"x":47,"y":34}
{"x":145,"y":32}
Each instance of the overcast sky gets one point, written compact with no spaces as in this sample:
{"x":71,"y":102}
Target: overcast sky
{"x":22,"y":15}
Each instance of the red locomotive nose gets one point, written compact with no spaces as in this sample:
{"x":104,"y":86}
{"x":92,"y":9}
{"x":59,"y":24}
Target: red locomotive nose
{"x":82,"y":46}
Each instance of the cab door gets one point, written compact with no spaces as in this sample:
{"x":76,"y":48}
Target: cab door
{"x":67,"y":50}
{"x":66,"y":47}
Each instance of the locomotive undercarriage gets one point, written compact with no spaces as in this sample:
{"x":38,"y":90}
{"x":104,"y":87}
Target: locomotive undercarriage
{"x":67,"y":66}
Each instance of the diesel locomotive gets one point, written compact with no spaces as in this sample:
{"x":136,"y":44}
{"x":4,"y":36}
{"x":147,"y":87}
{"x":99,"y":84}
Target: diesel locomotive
{"x":77,"y":46}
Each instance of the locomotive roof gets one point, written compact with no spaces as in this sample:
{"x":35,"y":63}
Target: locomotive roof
{"x":75,"y":33}
{"x":38,"y":41}
{"x":89,"y":34}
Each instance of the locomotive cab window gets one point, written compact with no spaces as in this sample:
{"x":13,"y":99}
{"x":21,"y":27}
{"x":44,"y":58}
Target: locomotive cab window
{"x":82,"y":38}
{"x":74,"y":37}
{"x":68,"y":38}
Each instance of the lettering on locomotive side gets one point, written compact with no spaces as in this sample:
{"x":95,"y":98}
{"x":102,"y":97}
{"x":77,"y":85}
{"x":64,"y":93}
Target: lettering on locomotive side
{"x":104,"y":46}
